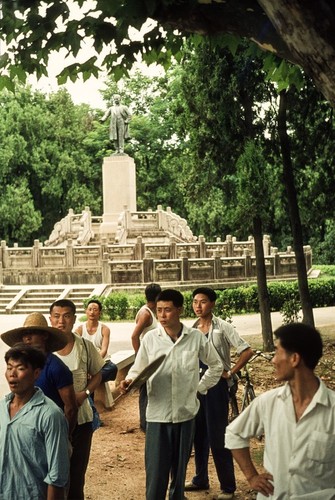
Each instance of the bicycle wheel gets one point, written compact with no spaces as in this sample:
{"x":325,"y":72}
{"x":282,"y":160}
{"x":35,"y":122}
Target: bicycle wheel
{"x":233,"y":406}
{"x":252,"y":394}
{"x":248,"y":396}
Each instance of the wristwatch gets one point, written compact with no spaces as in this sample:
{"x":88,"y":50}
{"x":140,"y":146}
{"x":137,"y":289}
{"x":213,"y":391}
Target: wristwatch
{"x":87,"y":392}
{"x":229,"y":373}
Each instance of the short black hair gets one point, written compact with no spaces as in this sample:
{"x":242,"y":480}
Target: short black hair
{"x":205,"y":290}
{"x":94,"y":301}
{"x":27,"y":354}
{"x":170,"y":295}
{"x":151,"y":291}
{"x":302,"y":339}
{"x":64,"y":303}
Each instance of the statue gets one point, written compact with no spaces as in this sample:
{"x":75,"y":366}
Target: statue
{"x":120,"y":116}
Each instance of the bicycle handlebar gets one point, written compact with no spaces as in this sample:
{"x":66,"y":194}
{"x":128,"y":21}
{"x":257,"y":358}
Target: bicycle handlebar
{"x":258,"y":353}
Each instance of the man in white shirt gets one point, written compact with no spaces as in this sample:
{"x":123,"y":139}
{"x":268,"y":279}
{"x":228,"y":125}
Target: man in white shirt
{"x":85,"y":363}
{"x":298,"y":421}
{"x":172,"y":394}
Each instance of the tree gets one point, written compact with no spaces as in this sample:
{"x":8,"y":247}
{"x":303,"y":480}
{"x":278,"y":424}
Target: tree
{"x":299,"y":31}
{"x":50,"y":153}
{"x":221,"y":94}
{"x":253,"y":199}
{"x":22,"y":219}
{"x":311,"y":128}
{"x":294,"y":214}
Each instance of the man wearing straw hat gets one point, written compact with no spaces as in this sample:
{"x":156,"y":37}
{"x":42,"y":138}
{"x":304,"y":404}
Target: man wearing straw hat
{"x":55,"y":380}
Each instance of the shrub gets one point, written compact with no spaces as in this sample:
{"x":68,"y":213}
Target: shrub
{"x":322,"y":292}
{"x":135,"y":302}
{"x":284,"y":297}
{"x":290,"y":311}
{"x":116,"y":305}
{"x":188,"y":308}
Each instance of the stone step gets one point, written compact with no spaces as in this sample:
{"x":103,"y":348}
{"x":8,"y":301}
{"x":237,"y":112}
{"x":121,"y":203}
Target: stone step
{"x":23,"y":308}
{"x":39,"y":299}
{"x":56,"y":293}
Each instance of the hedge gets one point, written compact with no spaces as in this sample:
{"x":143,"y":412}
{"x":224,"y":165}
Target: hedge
{"x":230,"y":301}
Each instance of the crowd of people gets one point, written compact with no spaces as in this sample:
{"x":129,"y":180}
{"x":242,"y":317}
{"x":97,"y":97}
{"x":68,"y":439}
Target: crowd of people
{"x":46,"y":421}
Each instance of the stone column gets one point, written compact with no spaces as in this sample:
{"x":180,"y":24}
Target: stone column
{"x":148,"y":268}
{"x":36,"y":253}
{"x":119,"y":190}
{"x":184,"y":266}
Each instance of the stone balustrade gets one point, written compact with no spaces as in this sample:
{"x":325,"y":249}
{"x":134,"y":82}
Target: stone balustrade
{"x":197,"y":261}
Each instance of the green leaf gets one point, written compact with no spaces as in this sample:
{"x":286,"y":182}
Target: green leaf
{"x":6,"y":83}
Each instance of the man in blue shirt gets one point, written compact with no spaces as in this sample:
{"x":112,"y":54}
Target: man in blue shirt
{"x":55,"y":380}
{"x":34,"y":454}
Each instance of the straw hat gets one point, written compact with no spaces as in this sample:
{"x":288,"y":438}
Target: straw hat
{"x":36,"y":322}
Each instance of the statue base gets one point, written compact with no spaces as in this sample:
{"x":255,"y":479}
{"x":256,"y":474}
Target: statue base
{"x":119,"y":190}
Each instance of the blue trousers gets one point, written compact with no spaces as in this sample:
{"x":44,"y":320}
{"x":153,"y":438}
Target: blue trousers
{"x":210,"y":427}
{"x":167,"y":451}
{"x":108,"y":371}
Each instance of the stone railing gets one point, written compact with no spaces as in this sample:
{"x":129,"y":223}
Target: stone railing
{"x":75,"y":226}
{"x":144,"y":222}
{"x":206,"y":270}
{"x":142,"y":262}
{"x":82,"y":227}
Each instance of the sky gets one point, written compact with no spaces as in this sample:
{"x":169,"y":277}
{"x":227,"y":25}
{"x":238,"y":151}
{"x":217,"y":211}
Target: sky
{"x":89,"y":91}
{"x":81,"y":92}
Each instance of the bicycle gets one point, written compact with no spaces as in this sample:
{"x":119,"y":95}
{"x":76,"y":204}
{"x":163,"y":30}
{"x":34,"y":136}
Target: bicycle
{"x":248,"y":389}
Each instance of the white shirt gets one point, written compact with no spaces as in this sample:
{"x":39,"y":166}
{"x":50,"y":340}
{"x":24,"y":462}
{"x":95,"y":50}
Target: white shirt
{"x":300,"y":455}
{"x":223,"y":336}
{"x":82,"y":363}
{"x":172,"y":389}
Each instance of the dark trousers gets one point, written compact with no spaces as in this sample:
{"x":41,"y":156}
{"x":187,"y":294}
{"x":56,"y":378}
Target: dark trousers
{"x":167,"y":451}
{"x":108,"y":371}
{"x":142,"y":403}
{"x":210,"y":427}
{"x":81,"y":444}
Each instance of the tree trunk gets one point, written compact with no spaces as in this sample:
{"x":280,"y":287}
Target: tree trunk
{"x":262,"y":289}
{"x":288,"y":179}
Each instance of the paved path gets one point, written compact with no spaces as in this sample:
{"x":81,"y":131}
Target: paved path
{"x":248,"y":324}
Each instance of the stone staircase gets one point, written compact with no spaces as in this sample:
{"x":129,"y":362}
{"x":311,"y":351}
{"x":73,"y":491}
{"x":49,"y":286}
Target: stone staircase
{"x":26,"y":299}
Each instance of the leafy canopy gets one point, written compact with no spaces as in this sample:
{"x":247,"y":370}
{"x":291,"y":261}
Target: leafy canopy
{"x":121,"y":33}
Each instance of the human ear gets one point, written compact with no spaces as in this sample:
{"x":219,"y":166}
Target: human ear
{"x":295,"y":359}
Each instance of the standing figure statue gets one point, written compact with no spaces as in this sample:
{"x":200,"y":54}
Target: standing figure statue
{"x":120,"y":116}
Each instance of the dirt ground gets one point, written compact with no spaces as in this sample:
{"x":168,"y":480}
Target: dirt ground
{"x":116,"y":469}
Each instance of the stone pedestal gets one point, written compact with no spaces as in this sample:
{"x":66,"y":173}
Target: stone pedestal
{"x":119,"y":190}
